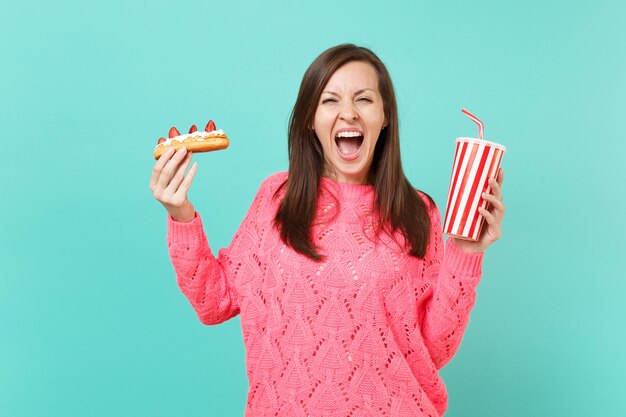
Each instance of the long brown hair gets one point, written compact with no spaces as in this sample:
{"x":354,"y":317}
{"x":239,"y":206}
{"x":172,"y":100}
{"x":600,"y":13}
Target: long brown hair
{"x":398,"y":205}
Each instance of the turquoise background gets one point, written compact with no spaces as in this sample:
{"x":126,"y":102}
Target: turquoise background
{"x":91,"y":320}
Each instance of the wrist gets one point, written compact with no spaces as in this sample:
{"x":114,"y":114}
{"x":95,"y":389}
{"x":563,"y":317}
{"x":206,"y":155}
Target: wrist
{"x":184,"y":213}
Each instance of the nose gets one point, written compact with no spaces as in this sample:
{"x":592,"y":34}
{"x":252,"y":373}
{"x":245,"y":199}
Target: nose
{"x":348,"y":112}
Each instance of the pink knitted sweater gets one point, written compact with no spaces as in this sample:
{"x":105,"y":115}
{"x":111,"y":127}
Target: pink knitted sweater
{"x":361,"y":333}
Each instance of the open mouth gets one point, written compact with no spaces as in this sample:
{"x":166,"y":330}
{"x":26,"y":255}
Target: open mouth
{"x":349,"y":142}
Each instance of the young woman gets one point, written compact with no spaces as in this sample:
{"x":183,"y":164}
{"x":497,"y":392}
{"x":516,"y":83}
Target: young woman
{"x":349,"y":303}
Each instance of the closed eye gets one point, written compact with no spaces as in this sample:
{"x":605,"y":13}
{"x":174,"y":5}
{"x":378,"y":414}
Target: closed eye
{"x":328,"y":100}
{"x":366,"y":99}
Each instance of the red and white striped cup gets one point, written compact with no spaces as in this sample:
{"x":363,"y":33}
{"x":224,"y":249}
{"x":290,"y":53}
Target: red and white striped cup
{"x":475,"y":161}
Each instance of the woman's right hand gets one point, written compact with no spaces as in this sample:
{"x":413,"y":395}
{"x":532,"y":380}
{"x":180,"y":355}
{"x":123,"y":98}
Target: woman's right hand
{"x":169,"y":185}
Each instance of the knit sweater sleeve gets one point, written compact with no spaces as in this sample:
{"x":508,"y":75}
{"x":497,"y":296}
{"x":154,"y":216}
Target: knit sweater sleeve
{"x":453,"y":275}
{"x":207,"y":281}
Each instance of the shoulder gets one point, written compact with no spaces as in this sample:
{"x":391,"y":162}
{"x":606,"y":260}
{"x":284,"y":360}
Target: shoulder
{"x":427,"y":199}
{"x":275,"y":180}
{"x":431,"y":206}
{"x":271,"y":189}
{"x":272,"y":183}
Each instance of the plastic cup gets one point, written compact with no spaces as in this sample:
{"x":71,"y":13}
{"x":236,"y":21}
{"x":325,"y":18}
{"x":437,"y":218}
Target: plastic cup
{"x":475,"y":161}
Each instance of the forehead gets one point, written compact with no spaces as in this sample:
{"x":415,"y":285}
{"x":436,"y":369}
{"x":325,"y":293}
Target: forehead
{"x":355,"y":75}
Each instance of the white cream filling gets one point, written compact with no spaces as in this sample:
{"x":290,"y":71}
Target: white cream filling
{"x":199,"y":135}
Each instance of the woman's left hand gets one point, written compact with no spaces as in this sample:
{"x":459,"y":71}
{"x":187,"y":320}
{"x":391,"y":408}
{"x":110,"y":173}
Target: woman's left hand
{"x":493,"y":229}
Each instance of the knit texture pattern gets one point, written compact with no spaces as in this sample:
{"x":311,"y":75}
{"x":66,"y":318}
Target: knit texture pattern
{"x":361,"y":333}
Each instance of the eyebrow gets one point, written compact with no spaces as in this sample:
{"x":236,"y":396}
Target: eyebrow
{"x":356,"y":93}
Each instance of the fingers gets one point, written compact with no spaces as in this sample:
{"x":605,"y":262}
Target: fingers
{"x":158,"y":166}
{"x":496,"y":185}
{"x":168,"y":182}
{"x":495,"y":198}
{"x":170,"y":168}
{"x":181,"y":193}
{"x":495,"y":225}
{"x":179,"y":175}
{"x":495,"y":214}
{"x":496,"y":202}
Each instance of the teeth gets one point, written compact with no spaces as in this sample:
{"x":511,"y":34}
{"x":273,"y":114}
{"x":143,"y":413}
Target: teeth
{"x":348,"y":134}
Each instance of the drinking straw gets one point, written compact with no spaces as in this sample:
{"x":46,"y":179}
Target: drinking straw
{"x":475,"y":119}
